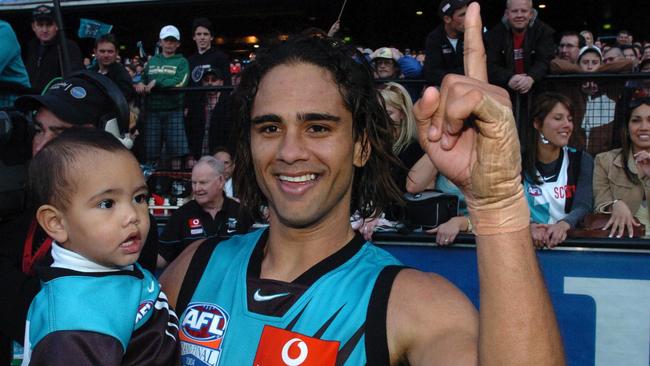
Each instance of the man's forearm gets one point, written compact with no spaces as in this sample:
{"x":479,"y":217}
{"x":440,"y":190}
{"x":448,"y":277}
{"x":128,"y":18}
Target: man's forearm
{"x":517,"y":321}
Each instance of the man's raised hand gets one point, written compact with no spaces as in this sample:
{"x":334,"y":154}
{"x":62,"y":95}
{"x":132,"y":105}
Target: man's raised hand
{"x":482,"y":157}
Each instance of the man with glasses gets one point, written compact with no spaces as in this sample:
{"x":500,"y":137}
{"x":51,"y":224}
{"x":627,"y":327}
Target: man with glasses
{"x":570,"y":45}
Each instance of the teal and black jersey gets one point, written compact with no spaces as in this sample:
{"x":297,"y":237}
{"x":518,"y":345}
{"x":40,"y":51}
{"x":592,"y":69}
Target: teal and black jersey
{"x":333,"y":314}
{"x":100,"y":318}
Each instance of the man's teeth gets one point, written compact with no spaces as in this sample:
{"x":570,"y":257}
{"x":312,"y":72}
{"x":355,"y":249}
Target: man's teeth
{"x":302,"y":178}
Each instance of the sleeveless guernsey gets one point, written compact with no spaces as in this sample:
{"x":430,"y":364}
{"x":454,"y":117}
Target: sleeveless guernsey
{"x":327,"y":316}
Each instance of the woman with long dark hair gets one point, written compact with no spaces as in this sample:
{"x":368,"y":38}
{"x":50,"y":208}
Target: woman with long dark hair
{"x":557,"y":178}
{"x":621,"y":176}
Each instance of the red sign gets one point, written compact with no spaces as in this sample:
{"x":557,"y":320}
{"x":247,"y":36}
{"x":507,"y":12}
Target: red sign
{"x":279,"y":347}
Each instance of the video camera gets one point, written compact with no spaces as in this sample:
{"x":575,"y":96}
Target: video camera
{"x":16,"y":133}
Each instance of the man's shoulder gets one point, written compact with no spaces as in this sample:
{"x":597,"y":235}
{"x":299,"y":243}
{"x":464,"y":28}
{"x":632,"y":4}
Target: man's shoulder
{"x":609,"y":157}
{"x":209,"y":56}
{"x":189,"y":206}
{"x":542,"y":26}
{"x":187,"y":209}
{"x":437,"y":33}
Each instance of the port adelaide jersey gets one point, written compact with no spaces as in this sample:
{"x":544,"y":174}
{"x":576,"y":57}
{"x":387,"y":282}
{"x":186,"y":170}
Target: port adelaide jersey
{"x":333,"y":314}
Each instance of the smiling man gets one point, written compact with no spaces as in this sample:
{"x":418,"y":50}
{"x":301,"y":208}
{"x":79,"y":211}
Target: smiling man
{"x":307,"y":290}
{"x":209,"y":214}
{"x":207,"y":55}
{"x":106,"y":52}
{"x":520,"y":48}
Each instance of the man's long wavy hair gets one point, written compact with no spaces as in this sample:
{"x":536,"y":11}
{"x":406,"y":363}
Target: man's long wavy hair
{"x":373,"y":188}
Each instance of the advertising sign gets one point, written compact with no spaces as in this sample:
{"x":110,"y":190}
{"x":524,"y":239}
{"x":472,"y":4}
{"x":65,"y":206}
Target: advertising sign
{"x":601,"y":298}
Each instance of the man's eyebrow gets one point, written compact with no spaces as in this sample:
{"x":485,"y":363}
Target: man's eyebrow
{"x":265,"y":118}
{"x":318,"y":117}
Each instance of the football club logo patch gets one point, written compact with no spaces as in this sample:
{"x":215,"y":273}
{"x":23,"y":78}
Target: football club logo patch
{"x":534,"y":191}
{"x":203,"y":327}
{"x":197,"y":73}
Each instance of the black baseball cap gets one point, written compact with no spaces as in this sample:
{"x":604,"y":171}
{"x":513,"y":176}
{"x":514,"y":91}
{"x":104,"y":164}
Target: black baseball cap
{"x":448,"y":7}
{"x":74,"y":100}
{"x":43,"y":12}
{"x":214,"y":72}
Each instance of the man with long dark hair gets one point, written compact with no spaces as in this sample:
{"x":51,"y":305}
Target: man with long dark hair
{"x":307,"y":290}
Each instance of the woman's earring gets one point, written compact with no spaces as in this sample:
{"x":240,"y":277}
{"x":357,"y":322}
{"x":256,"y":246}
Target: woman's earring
{"x":543,"y":138}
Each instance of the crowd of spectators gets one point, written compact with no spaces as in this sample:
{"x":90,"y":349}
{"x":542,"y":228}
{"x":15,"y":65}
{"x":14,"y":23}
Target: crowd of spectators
{"x":173,"y":130}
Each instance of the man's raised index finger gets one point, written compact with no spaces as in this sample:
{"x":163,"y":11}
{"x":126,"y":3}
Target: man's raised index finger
{"x":474,"y":51}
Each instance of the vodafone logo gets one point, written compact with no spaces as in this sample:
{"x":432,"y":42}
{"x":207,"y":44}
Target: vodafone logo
{"x":194,"y":223}
{"x":302,"y":355}
{"x":280,"y":347}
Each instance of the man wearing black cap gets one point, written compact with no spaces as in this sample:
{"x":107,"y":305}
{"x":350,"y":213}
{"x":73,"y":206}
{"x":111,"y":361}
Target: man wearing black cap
{"x":444,"y":45}
{"x":43,"y":53}
{"x":72,"y":102}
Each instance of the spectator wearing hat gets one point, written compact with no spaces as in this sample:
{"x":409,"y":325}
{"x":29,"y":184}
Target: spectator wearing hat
{"x":519,"y":48}
{"x":13,"y":75}
{"x":43,"y":53}
{"x":391,"y":64}
{"x":73,"y":102}
{"x":385,"y":60}
{"x":444,"y":45}
{"x":106,"y":53}
{"x":207,"y":56}
{"x":164,"y":114}
{"x":209,"y":120}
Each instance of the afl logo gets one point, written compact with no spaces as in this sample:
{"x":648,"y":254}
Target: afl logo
{"x":534,"y":191}
{"x":78,"y":92}
{"x":204,"y":322}
{"x":143,"y":309}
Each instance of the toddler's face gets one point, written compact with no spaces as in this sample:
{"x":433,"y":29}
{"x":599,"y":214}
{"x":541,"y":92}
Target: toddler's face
{"x":107,"y":219}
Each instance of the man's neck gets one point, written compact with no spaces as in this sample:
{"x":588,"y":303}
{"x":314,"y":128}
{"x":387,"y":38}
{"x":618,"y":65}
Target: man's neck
{"x":103,"y":68}
{"x":204,"y":50}
{"x":290,"y":252}
{"x":214,"y":207}
{"x":167,"y":55}
{"x":518,"y":31}
{"x":451,"y":33}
